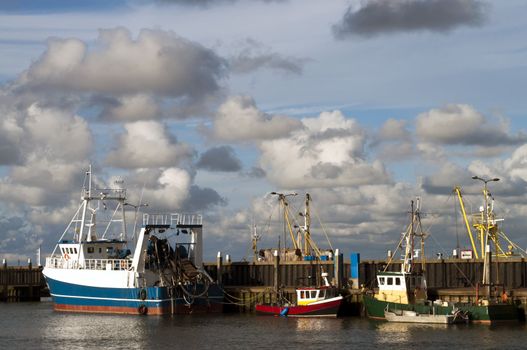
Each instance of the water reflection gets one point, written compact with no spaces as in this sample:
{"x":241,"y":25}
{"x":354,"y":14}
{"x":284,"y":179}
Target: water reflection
{"x":313,"y":324}
{"x":93,"y":330}
{"x":389,"y":333}
{"x":37,"y":326}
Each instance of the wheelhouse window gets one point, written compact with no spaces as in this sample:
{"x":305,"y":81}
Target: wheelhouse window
{"x":313,"y":294}
{"x":382,"y":281}
{"x":390,"y":281}
{"x":397,"y":281}
{"x":91,"y":250}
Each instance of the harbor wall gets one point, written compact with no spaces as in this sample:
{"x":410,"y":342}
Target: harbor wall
{"x":511,"y":273}
{"x":248,"y":283}
{"x":441,"y":274}
{"x":21,"y":283}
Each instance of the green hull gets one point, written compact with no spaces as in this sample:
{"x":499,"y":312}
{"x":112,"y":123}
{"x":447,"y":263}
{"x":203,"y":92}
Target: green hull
{"x":375,"y":308}
{"x":477,"y":313}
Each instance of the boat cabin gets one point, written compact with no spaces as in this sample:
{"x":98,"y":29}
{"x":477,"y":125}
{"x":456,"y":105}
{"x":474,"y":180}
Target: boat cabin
{"x":306,"y":296}
{"x":101,"y":249}
{"x":401,"y":287}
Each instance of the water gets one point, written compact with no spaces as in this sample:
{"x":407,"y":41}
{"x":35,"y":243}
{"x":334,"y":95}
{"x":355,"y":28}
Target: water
{"x":37,"y":326}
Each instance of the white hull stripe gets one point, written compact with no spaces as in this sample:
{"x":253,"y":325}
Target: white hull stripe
{"x":119,"y":299}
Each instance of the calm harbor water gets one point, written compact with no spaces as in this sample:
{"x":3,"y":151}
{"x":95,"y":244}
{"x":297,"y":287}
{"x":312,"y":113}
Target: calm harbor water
{"x":37,"y":326}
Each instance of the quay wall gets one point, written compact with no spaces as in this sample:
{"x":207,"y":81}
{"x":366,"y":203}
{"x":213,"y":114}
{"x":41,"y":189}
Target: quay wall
{"x":453,"y":279}
{"x":441,"y":274}
{"x":21,"y":283}
{"x":248,"y":283}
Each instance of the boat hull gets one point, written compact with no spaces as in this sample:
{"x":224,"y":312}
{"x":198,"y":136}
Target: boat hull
{"x":327,"y":308}
{"x":413,"y":317}
{"x":138,"y":301}
{"x":487,"y":314}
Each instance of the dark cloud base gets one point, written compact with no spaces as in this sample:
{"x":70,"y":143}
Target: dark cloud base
{"x":391,"y":16}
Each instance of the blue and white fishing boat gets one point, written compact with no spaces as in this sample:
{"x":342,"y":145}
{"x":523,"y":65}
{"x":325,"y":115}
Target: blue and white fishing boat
{"x":92,"y":271}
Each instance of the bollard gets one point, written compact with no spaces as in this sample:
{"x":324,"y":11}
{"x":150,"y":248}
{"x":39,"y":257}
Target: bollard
{"x":219,"y":269}
{"x":29,"y":265}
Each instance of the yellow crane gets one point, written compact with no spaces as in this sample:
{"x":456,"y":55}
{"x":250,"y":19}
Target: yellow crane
{"x":485,"y":221}
{"x":457,"y":189}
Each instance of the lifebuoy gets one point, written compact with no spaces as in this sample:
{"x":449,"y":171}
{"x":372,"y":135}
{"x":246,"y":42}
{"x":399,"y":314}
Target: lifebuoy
{"x":142,"y":294}
{"x":66,"y":256}
{"x":142,"y":309}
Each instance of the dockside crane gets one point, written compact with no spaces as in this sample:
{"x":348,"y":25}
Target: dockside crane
{"x":486,"y":225}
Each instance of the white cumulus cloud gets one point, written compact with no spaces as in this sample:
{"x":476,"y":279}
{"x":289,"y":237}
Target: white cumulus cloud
{"x":238,"y":119}
{"x":148,"y":144}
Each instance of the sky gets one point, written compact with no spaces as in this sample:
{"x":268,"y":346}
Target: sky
{"x":208,"y":106}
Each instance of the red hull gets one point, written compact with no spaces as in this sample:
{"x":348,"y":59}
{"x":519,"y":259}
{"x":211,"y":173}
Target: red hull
{"x":178,"y":309}
{"x":328,"y":308}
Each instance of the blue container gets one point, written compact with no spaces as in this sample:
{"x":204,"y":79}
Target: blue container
{"x":324,"y":258}
{"x":308,"y":258}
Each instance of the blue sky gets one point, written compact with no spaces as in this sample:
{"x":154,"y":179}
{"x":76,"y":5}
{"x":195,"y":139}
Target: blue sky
{"x":211,"y":105}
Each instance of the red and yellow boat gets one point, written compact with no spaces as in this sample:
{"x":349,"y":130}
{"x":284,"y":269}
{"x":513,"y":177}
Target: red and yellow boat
{"x":311,"y":302}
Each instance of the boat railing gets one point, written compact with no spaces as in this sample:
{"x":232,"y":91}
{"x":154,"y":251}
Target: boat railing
{"x":89,"y":264}
{"x":479,"y":219}
{"x":173,"y":219}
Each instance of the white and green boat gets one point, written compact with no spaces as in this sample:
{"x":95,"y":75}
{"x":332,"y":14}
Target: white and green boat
{"x":406,"y":290}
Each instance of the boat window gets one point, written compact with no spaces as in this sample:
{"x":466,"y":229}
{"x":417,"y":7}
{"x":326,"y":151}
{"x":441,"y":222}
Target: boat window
{"x":75,"y":250}
{"x":100,"y":250}
{"x":90,"y":249}
{"x":323,"y":293}
{"x":313,"y":294}
{"x":68,"y":250}
{"x":302,"y":295}
{"x":382,"y":280}
{"x":397,"y":281}
{"x":390,"y":281}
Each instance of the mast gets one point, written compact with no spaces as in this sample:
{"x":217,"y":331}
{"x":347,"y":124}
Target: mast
{"x":421,"y":234}
{"x":412,"y":234}
{"x":287,"y":224}
{"x":409,"y":243}
{"x":255,"y":239}
{"x":485,"y":230}
{"x":85,"y":201}
{"x":307,"y":224}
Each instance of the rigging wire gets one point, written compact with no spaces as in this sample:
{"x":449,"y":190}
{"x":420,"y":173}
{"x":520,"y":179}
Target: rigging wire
{"x":323,"y":229}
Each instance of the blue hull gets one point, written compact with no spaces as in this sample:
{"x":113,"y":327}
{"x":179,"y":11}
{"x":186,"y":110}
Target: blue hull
{"x":150,"y":300}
